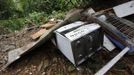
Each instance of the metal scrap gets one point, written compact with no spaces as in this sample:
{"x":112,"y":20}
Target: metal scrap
{"x":125,"y":9}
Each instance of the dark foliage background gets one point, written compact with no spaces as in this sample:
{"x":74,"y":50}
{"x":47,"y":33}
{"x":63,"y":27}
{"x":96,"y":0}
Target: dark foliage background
{"x":21,"y":8}
{"x":15,"y":14}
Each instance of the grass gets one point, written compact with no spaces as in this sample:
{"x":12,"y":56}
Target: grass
{"x":36,"y":18}
{"x":22,"y":13}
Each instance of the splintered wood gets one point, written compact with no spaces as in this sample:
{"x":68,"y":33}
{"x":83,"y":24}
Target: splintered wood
{"x":47,"y":25}
{"x":38,"y":34}
{"x":43,"y":30}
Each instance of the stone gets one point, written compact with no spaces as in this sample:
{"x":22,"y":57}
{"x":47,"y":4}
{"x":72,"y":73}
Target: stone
{"x":30,"y":73}
{"x":43,"y":73}
{"x":55,"y":59}
{"x":8,"y":47}
{"x":45,"y":63}
{"x":71,"y":68}
{"x":1,"y":37}
{"x":40,"y":66}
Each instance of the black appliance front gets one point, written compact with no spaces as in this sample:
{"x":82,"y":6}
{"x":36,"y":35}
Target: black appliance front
{"x":87,"y":45}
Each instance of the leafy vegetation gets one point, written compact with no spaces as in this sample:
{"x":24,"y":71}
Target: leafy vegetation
{"x":35,"y":18}
{"x":15,"y":14}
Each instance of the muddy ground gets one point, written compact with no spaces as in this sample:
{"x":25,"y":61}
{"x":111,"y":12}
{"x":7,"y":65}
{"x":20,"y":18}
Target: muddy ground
{"x":48,"y":60}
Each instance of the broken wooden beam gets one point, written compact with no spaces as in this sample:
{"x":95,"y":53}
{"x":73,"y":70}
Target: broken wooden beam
{"x":48,"y":25}
{"x":112,"y":62}
{"x":38,"y":34}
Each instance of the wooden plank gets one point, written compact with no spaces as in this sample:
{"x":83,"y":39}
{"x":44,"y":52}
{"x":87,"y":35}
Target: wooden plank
{"x":112,"y":62}
{"x":38,"y":34}
{"x":15,"y":54}
{"x":48,"y":25}
{"x":112,"y":31}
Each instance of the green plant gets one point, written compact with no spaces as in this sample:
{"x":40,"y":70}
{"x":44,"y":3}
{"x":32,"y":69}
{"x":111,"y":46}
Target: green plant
{"x":37,"y":18}
{"x":57,"y":15}
{"x":15,"y":14}
{"x":13,"y":25}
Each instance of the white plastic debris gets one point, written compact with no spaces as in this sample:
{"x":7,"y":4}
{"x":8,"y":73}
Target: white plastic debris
{"x":108,"y":44}
{"x":102,"y":17}
{"x":125,"y":9}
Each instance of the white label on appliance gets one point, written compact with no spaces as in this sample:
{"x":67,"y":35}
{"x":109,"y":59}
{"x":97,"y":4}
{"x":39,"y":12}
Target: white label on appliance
{"x":81,"y":31}
{"x":69,"y":26}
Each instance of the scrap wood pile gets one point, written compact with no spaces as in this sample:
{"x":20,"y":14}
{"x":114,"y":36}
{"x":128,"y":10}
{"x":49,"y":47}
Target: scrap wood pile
{"x":21,"y":39}
{"x":34,"y":37}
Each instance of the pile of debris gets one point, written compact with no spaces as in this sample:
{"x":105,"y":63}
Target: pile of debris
{"x":79,"y":36}
{"x":13,"y":45}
